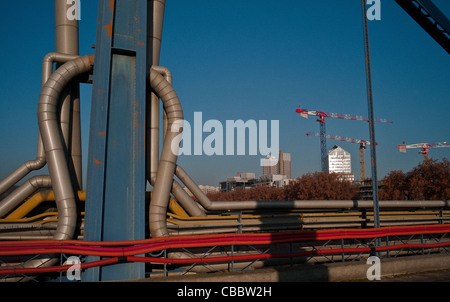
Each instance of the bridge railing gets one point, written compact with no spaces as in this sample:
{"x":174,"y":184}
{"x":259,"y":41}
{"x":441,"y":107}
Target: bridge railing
{"x":219,"y":252}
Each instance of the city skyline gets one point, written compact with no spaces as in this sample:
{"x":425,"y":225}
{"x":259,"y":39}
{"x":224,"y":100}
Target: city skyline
{"x":255,"y":61}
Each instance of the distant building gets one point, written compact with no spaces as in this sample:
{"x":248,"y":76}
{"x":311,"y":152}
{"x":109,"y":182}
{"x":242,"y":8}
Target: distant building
{"x":285,"y":164}
{"x":340,"y":162}
{"x":274,"y":180}
{"x":204,"y":189}
{"x":248,"y":180}
{"x":208,"y":189}
{"x":366,"y":189}
{"x":246,"y":175}
{"x":242,"y":180}
{"x":270,"y":165}
{"x":278,"y":166}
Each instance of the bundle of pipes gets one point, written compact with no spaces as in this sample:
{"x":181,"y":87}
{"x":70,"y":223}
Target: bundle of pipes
{"x":59,"y":139}
{"x":59,"y":146}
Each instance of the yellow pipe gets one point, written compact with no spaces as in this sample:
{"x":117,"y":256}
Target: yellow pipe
{"x":48,"y":195}
{"x":219,"y":217}
{"x":36,"y":200}
{"x":31,"y":203}
{"x":8,"y":220}
{"x":214,"y":222}
{"x":177,"y":209}
{"x":174,"y":206}
{"x":179,"y":213}
{"x":29,"y":218}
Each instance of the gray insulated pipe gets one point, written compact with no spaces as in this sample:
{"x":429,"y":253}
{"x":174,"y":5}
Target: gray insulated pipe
{"x":169,"y":155}
{"x":54,"y":144}
{"x":23,"y":192}
{"x":24,"y":169}
{"x":40,"y":161}
{"x":180,"y":194}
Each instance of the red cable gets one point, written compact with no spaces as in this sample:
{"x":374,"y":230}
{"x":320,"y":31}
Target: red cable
{"x":216,"y":259}
{"x":202,"y":241}
{"x":156,"y":244}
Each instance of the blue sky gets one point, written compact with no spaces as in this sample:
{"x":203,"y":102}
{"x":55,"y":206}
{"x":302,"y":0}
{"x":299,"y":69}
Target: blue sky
{"x":256,"y":60}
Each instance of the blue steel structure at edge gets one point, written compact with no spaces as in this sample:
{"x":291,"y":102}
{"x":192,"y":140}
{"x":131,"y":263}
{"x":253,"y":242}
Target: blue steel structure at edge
{"x":115,"y":198}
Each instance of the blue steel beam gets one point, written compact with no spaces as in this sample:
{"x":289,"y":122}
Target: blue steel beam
{"x":430,"y":18}
{"x":115,"y":191}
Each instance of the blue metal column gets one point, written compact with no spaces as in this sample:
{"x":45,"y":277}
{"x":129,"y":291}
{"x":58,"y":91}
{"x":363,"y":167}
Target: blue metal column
{"x":115,"y":197}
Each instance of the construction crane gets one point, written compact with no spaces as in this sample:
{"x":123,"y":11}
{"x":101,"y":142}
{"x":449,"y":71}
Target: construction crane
{"x":362,"y":146}
{"x":321,"y":119}
{"x":425,"y":146}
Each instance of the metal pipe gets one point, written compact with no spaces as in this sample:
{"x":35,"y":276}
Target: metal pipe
{"x":49,"y":60}
{"x":169,"y":155}
{"x":300,"y":204}
{"x":326,"y":204}
{"x":40,"y":161}
{"x":186,"y":201}
{"x":193,"y":187}
{"x":54,"y":148}
{"x":24,"y":169}
{"x":152,"y":114}
{"x":36,"y":200}
{"x":55,"y":152}
{"x":153,"y":131}
{"x":158,"y":205}
{"x":296,"y":204}
{"x":21,"y":227}
{"x":183,"y":198}
{"x":23,"y":192}
{"x":67,"y":42}
{"x":63,"y":177}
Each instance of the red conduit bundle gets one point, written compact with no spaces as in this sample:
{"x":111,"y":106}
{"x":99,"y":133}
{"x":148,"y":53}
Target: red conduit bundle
{"x":127,"y":250}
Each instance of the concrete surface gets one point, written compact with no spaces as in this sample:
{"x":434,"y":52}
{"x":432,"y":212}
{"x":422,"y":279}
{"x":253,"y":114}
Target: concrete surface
{"x":335,"y":272}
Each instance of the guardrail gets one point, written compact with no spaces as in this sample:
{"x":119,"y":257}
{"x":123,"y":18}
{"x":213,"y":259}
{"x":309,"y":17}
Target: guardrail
{"x":234,"y":249}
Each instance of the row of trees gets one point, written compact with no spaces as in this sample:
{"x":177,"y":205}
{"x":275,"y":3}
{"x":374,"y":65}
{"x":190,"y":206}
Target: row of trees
{"x":428,"y":181}
{"x":311,"y":186}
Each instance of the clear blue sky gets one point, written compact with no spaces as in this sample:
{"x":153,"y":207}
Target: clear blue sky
{"x":256,"y":59}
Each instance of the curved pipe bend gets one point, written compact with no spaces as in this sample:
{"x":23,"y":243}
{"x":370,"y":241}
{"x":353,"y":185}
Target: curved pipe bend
{"x":53,"y":144}
{"x":40,"y":161}
{"x":177,"y":190}
{"x":169,"y":155}
{"x":23,"y":192}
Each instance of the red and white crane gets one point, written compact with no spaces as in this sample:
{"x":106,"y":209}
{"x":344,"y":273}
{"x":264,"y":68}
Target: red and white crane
{"x":322,"y":115}
{"x":424,"y":146}
{"x":321,"y":119}
{"x":362,"y":146}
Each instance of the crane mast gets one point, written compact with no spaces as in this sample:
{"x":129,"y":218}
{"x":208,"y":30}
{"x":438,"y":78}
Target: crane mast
{"x":362,"y":146}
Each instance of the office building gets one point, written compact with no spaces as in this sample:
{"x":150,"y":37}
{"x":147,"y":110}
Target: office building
{"x":340,"y":162}
{"x":278,"y":166}
{"x":242,"y":180}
